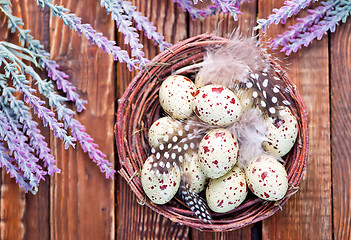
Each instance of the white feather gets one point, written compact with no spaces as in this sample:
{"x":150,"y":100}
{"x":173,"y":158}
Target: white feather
{"x":250,"y":131}
{"x":226,"y":65}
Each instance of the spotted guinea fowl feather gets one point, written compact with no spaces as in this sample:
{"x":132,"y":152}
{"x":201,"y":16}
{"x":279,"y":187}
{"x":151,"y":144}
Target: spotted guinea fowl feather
{"x":269,"y":91}
{"x":194,"y":202}
{"x":242,"y":62}
{"x":176,"y":144}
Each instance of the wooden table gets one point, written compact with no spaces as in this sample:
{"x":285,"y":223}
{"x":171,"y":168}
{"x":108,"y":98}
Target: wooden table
{"x":80,"y":203}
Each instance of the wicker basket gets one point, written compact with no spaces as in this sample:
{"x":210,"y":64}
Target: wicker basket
{"x":139,"y":108}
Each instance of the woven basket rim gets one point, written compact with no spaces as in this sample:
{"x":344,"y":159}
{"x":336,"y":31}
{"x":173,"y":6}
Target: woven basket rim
{"x":128,"y":159}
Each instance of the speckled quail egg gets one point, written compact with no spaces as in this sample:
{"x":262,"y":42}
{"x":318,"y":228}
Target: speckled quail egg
{"x":218,"y":152}
{"x":227,"y":192}
{"x":193,"y":173}
{"x":160,"y":188}
{"x":162,"y":127}
{"x":217,"y":105}
{"x":267,"y":178}
{"x":176,"y":96}
{"x":281,"y":133}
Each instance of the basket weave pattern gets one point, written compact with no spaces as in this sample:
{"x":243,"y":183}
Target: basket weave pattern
{"x":139,"y":108}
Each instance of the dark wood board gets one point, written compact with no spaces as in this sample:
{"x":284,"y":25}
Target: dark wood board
{"x":21,"y":213}
{"x":340,"y":75}
{"x":308,"y":213}
{"x":82,"y":200}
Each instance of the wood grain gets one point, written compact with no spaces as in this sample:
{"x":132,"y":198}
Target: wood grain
{"x":307,"y":214}
{"x":37,"y":206}
{"x":12,"y":198}
{"x":135,"y":221}
{"x":22,"y":214}
{"x":82,"y":200}
{"x":340,"y":76}
{"x":223,"y":25}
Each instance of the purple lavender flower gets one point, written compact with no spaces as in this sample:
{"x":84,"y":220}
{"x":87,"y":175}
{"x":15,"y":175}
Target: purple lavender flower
{"x":62,"y":82}
{"x":16,"y":143}
{"x":47,"y":116}
{"x":124,"y":25}
{"x":101,"y":41}
{"x":51,"y":66}
{"x":141,"y":23}
{"x":229,"y":7}
{"x":291,"y":7}
{"x":187,"y":6}
{"x":6,"y":161}
{"x":319,"y":21}
{"x":18,"y":112}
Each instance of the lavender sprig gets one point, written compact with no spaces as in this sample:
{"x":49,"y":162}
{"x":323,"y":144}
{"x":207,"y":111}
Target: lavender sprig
{"x":6,"y":161}
{"x":36,"y":140}
{"x":77,"y":129}
{"x":314,"y":26}
{"x":20,"y":112}
{"x":47,"y":116}
{"x":124,"y":25}
{"x":292,"y":7}
{"x":187,"y":6}
{"x":101,"y":41}
{"x":303,"y":25}
{"x":229,"y":7}
{"x":25,"y":159}
{"x":141,"y":23}
{"x":51,"y":66}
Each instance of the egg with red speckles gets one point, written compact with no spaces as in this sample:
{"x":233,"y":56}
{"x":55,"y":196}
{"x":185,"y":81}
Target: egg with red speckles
{"x":227,"y":192}
{"x":193,"y":173}
{"x":217,"y":105}
{"x":160,"y":188}
{"x":161,"y":127}
{"x":267,"y":178}
{"x":218,"y":152}
{"x":176,"y":96}
{"x":281,"y":133}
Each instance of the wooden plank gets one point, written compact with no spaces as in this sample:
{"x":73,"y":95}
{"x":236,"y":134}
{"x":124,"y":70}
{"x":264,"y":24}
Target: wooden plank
{"x":308,"y":214}
{"x":12,"y":202}
{"x":340,"y":62}
{"x":37,"y":206}
{"x":133,"y":220}
{"x":82,"y":200}
{"x":223,"y":25}
{"x":21,"y":214}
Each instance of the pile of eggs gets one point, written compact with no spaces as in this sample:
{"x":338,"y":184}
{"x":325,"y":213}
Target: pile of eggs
{"x":212,"y":166}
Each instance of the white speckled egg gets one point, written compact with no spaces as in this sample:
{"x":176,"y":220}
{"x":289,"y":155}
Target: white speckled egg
{"x":281,"y":133}
{"x":218,"y":152}
{"x":217,"y":105}
{"x":267,"y":178}
{"x":176,"y":96}
{"x":159,"y":188}
{"x":227,"y":192}
{"x":160,"y":128}
{"x":193,"y":173}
